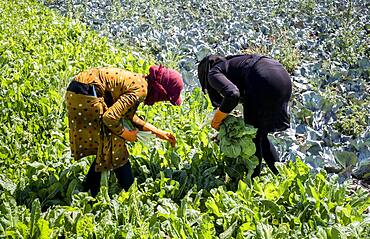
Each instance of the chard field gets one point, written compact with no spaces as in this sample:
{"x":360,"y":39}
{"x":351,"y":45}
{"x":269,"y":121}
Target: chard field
{"x":191,"y":191}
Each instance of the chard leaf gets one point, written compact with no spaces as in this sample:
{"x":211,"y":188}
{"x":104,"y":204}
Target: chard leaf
{"x":7,"y":184}
{"x":229,"y":232}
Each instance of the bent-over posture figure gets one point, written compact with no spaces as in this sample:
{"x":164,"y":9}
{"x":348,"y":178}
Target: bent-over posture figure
{"x":261,"y":84}
{"x":97,"y":100}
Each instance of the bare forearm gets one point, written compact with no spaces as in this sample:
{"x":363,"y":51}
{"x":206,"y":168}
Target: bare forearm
{"x":138,"y":121}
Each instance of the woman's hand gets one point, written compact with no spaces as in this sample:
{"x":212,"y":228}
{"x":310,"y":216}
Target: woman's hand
{"x":130,"y":135}
{"x":160,"y":133}
{"x":218,"y":118}
{"x":166,"y":136}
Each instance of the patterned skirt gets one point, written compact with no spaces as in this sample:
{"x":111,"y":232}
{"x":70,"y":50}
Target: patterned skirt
{"x":89,"y":136}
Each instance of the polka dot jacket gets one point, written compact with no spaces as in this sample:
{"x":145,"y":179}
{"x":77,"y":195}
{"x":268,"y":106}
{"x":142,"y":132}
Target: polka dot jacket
{"x":95,"y":126}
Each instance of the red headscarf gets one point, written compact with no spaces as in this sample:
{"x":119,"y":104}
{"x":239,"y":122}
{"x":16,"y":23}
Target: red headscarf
{"x":164,"y":85}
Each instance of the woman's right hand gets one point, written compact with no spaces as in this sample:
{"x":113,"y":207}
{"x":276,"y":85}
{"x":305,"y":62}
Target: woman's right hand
{"x":167,"y":136}
{"x":160,"y":133}
{"x":130,"y":135}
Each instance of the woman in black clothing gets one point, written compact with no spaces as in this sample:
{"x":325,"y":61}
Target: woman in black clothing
{"x":261,"y":84}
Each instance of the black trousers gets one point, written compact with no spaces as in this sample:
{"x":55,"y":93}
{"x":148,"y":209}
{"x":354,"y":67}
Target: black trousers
{"x":266,"y":150}
{"x":124,"y":176}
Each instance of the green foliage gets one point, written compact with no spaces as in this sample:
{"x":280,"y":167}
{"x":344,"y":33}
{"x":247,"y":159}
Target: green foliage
{"x":281,"y":47}
{"x":40,"y":52}
{"x":181,"y":192}
{"x":352,"y":114}
{"x":353,"y":119}
{"x":293,"y":205}
{"x":236,"y":144}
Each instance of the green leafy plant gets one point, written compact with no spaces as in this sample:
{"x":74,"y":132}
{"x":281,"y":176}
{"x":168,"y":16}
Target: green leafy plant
{"x":182,"y":192}
{"x":236,"y":138}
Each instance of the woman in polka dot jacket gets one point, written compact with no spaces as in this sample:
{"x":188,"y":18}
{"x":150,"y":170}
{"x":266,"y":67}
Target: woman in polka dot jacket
{"x":97,"y":100}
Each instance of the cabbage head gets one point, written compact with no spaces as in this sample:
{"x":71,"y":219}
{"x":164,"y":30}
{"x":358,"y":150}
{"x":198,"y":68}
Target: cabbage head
{"x":236,"y":138}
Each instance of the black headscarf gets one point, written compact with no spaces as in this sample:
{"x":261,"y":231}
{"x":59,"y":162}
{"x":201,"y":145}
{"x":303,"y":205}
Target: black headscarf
{"x":203,"y":69}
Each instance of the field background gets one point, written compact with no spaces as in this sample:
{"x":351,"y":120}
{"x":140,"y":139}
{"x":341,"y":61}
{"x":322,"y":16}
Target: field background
{"x":186,"y":192}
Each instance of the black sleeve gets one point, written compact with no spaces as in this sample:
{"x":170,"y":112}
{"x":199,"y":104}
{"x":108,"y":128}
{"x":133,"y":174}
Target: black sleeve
{"x":229,"y":91}
{"x":215,"y":97}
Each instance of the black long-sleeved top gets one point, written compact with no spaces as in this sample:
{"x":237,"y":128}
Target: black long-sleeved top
{"x":227,"y":79}
{"x":261,"y":84}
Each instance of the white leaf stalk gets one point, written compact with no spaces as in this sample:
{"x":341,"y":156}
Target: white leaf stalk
{"x":142,"y":136}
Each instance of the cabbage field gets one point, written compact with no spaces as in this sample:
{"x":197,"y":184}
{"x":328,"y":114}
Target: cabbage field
{"x":194,"y":190}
